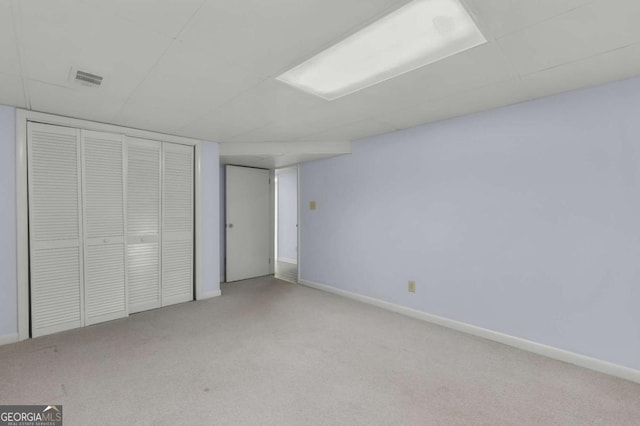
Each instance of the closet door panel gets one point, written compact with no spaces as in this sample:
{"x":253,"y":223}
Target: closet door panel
{"x":144,"y":276}
{"x":177,"y":278}
{"x":143,"y":223}
{"x":177,"y":224}
{"x":104,"y":291}
{"x":104,"y":225}
{"x":55,"y":229}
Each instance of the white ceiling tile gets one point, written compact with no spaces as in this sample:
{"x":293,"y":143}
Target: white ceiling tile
{"x":81,"y":102}
{"x":271,"y":133}
{"x":167,"y":17}
{"x":65,"y":33}
{"x":11,"y":92}
{"x":165,"y":117}
{"x":193,"y":61}
{"x":353,"y":131}
{"x":300,"y":124}
{"x":181,"y":90}
{"x":271,"y":36}
{"x":610,"y":66}
{"x":587,"y":31}
{"x":485,"y":98}
{"x":189,"y":98}
{"x":212,"y":129}
{"x":482,"y":66}
{"x":9,"y":63}
{"x":186,"y":71}
{"x":497,"y":18}
{"x":268,"y":102}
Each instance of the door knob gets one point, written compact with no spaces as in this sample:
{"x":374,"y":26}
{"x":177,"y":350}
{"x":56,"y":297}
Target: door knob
{"x":230,"y":225}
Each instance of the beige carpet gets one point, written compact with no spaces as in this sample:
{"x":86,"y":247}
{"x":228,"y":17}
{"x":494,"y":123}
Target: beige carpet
{"x":274,"y":353}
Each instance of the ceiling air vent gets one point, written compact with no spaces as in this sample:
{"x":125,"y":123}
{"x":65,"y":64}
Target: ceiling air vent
{"x":88,"y":79}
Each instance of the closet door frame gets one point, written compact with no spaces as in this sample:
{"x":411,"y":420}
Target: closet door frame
{"x":22,"y":205}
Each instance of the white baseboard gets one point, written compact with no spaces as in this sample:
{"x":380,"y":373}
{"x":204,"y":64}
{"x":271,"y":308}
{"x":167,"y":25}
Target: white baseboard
{"x":598,"y":365}
{"x":288,"y":260}
{"x":8,"y":338}
{"x":210,"y":294}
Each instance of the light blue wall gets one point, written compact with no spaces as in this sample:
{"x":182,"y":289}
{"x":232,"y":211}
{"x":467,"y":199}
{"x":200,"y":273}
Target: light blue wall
{"x":524,"y":220}
{"x":209,"y":217}
{"x":8,"y":224}
{"x":288,"y":214}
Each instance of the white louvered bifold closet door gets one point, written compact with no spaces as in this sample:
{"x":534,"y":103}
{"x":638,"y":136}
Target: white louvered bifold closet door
{"x":177,"y":224}
{"x":144,"y":158}
{"x":104,"y":227}
{"x":55,"y":229}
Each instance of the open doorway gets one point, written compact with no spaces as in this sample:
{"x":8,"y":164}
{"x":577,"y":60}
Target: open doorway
{"x":286,"y":224}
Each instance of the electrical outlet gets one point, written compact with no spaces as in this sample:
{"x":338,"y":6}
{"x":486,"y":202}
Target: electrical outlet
{"x":412,"y":287}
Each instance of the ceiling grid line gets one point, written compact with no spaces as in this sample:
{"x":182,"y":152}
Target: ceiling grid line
{"x":117,"y":114}
{"x":543,"y":21}
{"x":582,"y":59}
{"x":225,"y":103}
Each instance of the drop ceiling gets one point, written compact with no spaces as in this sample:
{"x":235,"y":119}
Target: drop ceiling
{"x":206,"y":68}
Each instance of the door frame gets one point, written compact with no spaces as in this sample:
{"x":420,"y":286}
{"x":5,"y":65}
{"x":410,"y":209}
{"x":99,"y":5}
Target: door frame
{"x":276,"y":172}
{"x":299,"y":226}
{"x":22,"y":208}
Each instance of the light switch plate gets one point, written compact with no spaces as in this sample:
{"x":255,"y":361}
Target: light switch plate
{"x":312,"y":205}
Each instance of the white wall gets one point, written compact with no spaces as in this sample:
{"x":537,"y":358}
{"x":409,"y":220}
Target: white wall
{"x":288,"y":214}
{"x":209,"y":218}
{"x":524,"y":220}
{"x":8,"y":225}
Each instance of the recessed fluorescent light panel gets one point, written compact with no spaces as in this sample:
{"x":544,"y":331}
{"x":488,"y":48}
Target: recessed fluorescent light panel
{"x":417,"y":34}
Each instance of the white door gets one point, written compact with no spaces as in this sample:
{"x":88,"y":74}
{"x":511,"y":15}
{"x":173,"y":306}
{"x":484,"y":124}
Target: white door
{"x":177,"y":224}
{"x":144,"y":158}
{"x":55,"y":229}
{"x":248,"y":212}
{"x":105,"y":289}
